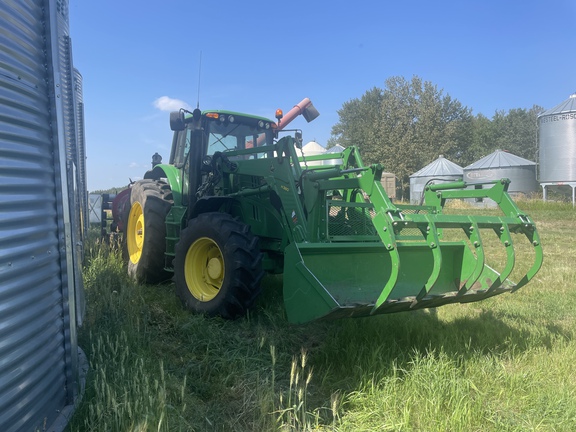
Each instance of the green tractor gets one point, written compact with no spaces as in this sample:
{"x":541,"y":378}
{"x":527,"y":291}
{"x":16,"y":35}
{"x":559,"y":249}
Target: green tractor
{"x":236,"y":201}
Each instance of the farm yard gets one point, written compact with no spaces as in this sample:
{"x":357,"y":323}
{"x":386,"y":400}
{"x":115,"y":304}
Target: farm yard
{"x":212,"y":287}
{"x":502,"y":364}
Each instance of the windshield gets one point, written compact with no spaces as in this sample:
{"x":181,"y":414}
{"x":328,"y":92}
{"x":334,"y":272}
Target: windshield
{"x":236,"y":136}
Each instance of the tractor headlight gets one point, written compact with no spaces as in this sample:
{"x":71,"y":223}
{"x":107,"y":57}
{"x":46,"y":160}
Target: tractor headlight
{"x":231,"y":119}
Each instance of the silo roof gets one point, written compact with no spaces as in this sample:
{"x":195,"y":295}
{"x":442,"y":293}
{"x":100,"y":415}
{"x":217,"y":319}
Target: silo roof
{"x":313,"y":148}
{"x":439,"y":167}
{"x":499,"y":159}
{"x":336,"y":149}
{"x":569,"y":105}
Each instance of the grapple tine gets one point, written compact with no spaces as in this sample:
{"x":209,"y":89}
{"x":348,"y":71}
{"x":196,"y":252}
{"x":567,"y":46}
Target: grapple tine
{"x":431,"y":236}
{"x":473,"y":233}
{"x":534,"y":238}
{"x":505,"y":237}
{"x":391,"y":282}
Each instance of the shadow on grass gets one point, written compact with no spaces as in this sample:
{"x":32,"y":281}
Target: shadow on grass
{"x":376,"y":347}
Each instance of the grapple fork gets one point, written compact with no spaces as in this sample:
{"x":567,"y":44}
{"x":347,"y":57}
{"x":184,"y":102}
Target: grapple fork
{"x":404,"y":260}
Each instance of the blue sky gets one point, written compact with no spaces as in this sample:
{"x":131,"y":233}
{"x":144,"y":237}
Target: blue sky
{"x":139,"y":58}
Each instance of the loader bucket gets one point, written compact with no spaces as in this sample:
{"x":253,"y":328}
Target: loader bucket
{"x":360,"y":279}
{"x":410,"y":262}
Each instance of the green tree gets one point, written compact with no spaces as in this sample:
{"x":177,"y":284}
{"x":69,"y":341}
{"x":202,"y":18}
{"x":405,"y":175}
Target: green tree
{"x":516,"y":131}
{"x":357,"y":120}
{"x":483,"y":141}
{"x":404,"y":126}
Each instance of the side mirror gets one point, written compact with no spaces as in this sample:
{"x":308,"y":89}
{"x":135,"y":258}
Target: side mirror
{"x":298,"y":139}
{"x":177,"y":120}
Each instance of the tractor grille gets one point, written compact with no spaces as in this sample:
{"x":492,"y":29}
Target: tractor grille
{"x":350,"y":220}
{"x":353,"y":221}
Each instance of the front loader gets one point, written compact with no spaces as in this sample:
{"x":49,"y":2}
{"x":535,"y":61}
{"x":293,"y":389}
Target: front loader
{"x":235,"y":201}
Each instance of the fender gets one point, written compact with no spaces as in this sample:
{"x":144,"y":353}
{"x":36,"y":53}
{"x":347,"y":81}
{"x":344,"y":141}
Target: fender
{"x":172,"y":175}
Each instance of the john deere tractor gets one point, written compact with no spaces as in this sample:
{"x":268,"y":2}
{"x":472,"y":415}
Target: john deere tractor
{"x":236,"y":200}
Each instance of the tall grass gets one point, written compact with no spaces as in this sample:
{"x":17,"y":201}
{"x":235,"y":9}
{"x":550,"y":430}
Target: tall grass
{"x":503,"y":364}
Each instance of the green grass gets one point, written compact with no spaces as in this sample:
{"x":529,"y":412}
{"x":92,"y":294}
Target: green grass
{"x":504,"y":364}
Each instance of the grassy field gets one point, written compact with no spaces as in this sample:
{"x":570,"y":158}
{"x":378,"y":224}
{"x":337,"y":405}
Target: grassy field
{"x":504,"y":364}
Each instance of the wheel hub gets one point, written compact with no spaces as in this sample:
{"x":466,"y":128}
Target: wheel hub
{"x":204,"y":269}
{"x":214,"y":268}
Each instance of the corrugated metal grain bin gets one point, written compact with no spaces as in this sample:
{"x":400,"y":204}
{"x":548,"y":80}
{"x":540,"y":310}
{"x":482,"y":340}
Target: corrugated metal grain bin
{"x":439,"y":171}
{"x":557,"y":132}
{"x":82,"y":187}
{"x":41,"y":366}
{"x":334,"y":150}
{"x":501,"y":164}
{"x":312,"y":148}
{"x":557,"y":137}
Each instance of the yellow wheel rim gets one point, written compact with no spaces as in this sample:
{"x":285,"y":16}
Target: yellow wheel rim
{"x":135,"y":232}
{"x":204,"y":269}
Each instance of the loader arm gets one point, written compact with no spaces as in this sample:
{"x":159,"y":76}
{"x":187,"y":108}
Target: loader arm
{"x":350,"y":251}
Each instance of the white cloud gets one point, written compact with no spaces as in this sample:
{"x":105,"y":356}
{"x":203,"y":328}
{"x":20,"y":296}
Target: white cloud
{"x":165,"y":103}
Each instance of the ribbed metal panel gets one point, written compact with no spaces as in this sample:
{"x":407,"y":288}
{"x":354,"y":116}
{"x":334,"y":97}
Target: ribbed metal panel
{"x":499,"y":159}
{"x":557,"y":133}
{"x":38,"y":348}
{"x":439,"y":171}
{"x":501,"y":164}
{"x":81,"y":174}
{"x":567,"y":106}
{"x":69,"y":133}
{"x":522,"y":178}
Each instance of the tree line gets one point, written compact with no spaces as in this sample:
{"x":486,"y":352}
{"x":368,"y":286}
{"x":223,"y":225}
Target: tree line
{"x":408,"y":124}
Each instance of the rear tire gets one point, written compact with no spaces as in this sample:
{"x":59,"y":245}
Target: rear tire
{"x":145,"y":230}
{"x":218,"y":266}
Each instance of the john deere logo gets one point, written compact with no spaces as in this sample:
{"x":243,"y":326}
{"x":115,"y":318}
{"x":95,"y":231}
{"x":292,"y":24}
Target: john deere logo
{"x":480,"y":175}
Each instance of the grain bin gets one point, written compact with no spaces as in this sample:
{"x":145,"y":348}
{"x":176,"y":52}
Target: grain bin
{"x":557,"y":137}
{"x":80,"y":163}
{"x":336,"y":150}
{"x":502,"y":164}
{"x":312,"y":149}
{"x":439,"y":171}
{"x":41,"y":366}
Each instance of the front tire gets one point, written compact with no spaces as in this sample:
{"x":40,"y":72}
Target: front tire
{"x":218,"y":266}
{"x":146,"y":230}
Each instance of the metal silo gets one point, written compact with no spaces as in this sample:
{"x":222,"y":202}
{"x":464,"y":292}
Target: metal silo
{"x":501,"y":164}
{"x":336,"y":150}
{"x":557,"y":136}
{"x":312,"y":149}
{"x":80,"y":154}
{"x":439,"y":171}
{"x":41,"y":366}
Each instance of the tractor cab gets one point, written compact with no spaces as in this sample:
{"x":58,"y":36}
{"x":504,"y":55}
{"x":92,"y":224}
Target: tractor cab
{"x":199,"y":136}
{"x":217,"y":131}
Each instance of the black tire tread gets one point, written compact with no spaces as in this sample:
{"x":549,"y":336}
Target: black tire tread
{"x":156,"y":199}
{"x":243,"y":272}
